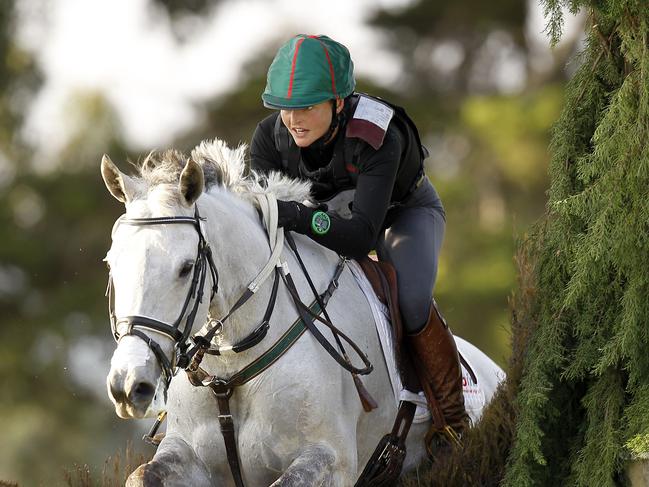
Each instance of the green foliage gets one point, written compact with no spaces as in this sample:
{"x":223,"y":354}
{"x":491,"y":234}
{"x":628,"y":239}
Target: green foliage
{"x":639,"y":445}
{"x":514,"y":129}
{"x":416,"y":29}
{"x":497,"y":193}
{"x":53,"y":229}
{"x":582,"y":396}
{"x":455,"y":19}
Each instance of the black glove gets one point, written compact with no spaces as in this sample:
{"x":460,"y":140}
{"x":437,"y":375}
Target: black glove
{"x":294,"y":216}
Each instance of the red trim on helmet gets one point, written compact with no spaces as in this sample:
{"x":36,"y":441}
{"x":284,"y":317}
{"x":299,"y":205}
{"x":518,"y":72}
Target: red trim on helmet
{"x":331,"y":66}
{"x":290,"y":82}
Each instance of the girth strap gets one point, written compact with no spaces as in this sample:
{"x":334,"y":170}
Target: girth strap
{"x":227,"y":430}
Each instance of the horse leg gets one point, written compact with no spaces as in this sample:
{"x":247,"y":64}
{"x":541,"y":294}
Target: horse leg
{"x":175,"y":464}
{"x":313,"y":467}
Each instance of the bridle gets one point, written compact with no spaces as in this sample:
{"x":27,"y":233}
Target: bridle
{"x":184,"y":348}
{"x":183,"y":354}
{"x":176,"y":331}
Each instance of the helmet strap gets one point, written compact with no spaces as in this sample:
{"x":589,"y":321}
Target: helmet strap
{"x":336,"y":119}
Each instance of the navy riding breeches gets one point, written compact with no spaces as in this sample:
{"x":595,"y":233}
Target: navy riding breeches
{"x":411,"y":244}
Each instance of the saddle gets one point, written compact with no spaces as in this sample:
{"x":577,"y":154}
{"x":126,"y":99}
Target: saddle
{"x":432,"y":362}
{"x":385,"y":465}
{"x":383,"y":279}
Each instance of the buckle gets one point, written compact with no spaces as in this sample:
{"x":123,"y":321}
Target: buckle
{"x":420,"y":181}
{"x":182,"y":360}
{"x":218,"y":386}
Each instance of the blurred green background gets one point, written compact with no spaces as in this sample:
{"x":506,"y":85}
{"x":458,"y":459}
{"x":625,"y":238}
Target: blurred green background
{"x":478,"y":78}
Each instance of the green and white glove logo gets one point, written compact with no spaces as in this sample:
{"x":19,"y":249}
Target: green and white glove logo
{"x":320,"y":223}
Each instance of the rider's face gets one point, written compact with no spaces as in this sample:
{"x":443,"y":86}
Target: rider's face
{"x":307,"y":125}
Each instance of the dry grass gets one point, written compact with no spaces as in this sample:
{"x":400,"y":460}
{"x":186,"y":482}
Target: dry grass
{"x":482,"y":460}
{"x":114,"y":473}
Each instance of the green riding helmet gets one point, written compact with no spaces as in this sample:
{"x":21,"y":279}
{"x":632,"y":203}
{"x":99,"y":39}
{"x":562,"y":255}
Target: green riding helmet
{"x":308,"y":70}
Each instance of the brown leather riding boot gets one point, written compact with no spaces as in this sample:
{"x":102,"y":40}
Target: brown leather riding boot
{"x":438,"y":366}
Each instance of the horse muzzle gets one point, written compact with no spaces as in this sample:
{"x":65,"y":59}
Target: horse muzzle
{"x":134,"y":382}
{"x":134,"y":395}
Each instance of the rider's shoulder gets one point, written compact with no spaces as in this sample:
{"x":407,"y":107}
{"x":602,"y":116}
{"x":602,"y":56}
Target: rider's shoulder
{"x":267,"y":124}
{"x":265,"y":128}
{"x":370,"y":120}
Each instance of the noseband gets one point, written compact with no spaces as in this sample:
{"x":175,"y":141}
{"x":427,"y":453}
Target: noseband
{"x":176,"y":331}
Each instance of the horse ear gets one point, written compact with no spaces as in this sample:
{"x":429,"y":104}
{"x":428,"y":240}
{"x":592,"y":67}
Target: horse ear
{"x":120,"y":185}
{"x":192,"y":182}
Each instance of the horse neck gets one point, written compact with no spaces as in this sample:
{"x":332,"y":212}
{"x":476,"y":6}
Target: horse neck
{"x":240,"y":249}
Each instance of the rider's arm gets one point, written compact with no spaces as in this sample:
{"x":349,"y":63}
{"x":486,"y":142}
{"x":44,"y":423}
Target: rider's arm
{"x":264,"y":157}
{"x":356,"y":236}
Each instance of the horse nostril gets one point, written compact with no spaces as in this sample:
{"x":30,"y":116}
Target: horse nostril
{"x":142,"y":392}
{"x":117,"y":393}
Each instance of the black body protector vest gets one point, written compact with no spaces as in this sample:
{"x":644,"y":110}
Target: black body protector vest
{"x":367,"y":121}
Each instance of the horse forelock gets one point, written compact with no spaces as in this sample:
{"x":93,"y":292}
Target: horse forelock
{"x":162,"y":167}
{"x":222,"y":167}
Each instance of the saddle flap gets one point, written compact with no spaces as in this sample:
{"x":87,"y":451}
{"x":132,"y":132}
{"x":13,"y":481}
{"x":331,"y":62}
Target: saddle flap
{"x":383,"y":279}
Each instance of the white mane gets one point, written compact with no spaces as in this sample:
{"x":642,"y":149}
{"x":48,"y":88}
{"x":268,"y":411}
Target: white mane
{"x":223,"y":167}
{"x":226,"y":167}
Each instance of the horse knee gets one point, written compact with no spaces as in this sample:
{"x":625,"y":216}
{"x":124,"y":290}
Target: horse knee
{"x":150,"y":474}
{"x":160,"y":474}
{"x":174,"y":465}
{"x":314,"y":466}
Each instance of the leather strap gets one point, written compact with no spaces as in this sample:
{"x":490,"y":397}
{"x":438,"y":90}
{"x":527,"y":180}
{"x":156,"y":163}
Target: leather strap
{"x":227,"y":430}
{"x":384,"y":466}
{"x":308,"y":317}
{"x":222,"y":389}
{"x":198,"y":376}
{"x":333,"y":285}
{"x":368,"y":402}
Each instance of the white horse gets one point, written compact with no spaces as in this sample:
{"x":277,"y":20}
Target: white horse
{"x":299,"y":422}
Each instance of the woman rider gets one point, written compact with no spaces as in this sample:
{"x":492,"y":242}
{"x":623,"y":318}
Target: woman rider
{"x":339,"y":140}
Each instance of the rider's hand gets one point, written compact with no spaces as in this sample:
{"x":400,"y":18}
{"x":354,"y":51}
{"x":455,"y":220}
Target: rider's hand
{"x":294,"y":216}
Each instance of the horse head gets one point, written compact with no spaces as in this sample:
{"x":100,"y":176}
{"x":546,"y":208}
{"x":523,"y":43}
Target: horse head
{"x":152,"y":285}
{"x":161,"y":266}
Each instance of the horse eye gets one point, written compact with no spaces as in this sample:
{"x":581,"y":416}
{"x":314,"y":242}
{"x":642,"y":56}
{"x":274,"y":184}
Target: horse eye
{"x":186,"y":269}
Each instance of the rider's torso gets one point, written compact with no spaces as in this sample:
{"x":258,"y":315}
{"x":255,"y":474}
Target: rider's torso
{"x":337,"y":166}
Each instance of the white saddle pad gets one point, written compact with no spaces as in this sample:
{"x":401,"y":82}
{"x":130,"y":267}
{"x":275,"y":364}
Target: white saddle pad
{"x":474,"y":397}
